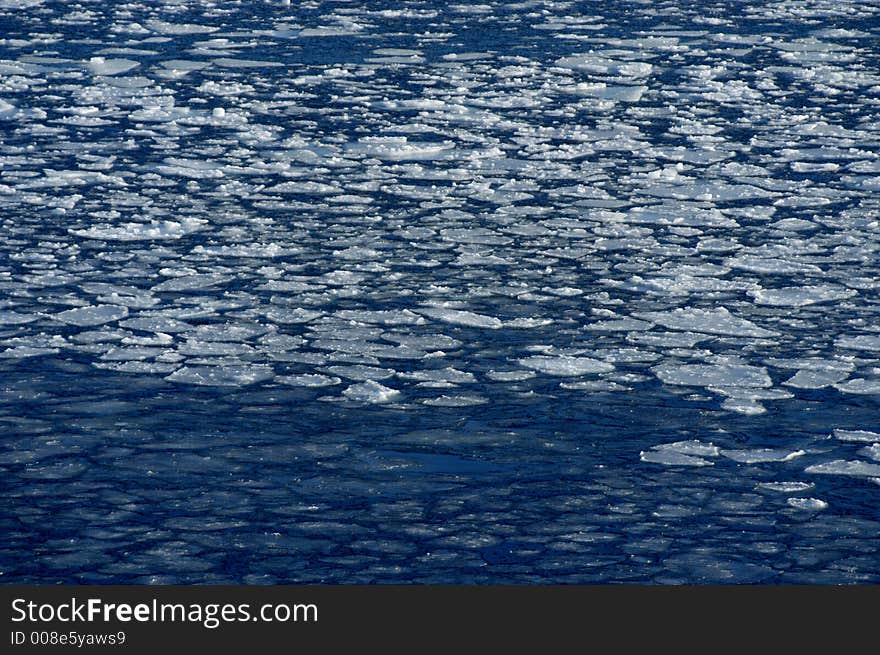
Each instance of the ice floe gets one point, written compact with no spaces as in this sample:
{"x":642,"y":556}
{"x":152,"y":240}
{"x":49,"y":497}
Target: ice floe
{"x":371,"y":392}
{"x":92,"y":315}
{"x":565,"y":365}
{"x":715,"y":375}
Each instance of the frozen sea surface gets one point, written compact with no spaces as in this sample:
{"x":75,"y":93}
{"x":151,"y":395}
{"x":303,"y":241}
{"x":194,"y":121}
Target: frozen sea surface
{"x":505,"y":292}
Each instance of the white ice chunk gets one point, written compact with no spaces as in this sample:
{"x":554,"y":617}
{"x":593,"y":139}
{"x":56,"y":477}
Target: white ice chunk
{"x":807,"y":504}
{"x":228,"y":331}
{"x":709,"y":321}
{"x":786,"y":487}
{"x":762,"y":455}
{"x":747,"y":406}
{"x":565,"y":365}
{"x":92,"y":315}
{"x":801,"y":296}
{"x":449,"y":374}
{"x":213,"y":348}
{"x":857,"y":435}
{"x":461,"y":317}
{"x":7,"y":110}
{"x":155,"y":230}
{"x":9,"y":317}
{"x":602,"y":63}
{"x":716,"y":375}
{"x":855,"y":468}
{"x":292,"y":315}
{"x":384,"y":317}
{"x":771,"y":265}
{"x":691,"y":447}
{"x":21,"y":352}
{"x":394,"y":148}
{"x":859,"y":342}
{"x":672,"y":458}
{"x":455,"y":401}
{"x":816,"y":379}
{"x":370,"y":392}
{"x":102,"y":66}
{"x":362,"y":372}
{"x":308,"y":380}
{"x":163,"y":27}
{"x":191,"y":282}
{"x":510,"y":376}
{"x":222,"y":376}
{"x":527,"y":322}
{"x":860,"y":386}
{"x":159,"y":324}
{"x":872,"y":451}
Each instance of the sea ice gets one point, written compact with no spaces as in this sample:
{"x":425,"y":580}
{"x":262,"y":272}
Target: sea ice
{"x":371,"y":392}
{"x":92,"y":315}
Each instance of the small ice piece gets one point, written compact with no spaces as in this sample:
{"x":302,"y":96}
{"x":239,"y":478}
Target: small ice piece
{"x":816,"y":379}
{"x":308,"y":380}
{"x":528,"y":322}
{"x":510,"y":376}
{"x":137,"y":366}
{"x":423,"y":341}
{"x":382,"y":317}
{"x":846,"y":467}
{"x":228,"y":331}
{"x":565,"y":365}
{"x":747,"y":406}
{"x":691,"y":447}
{"x":625,"y":324}
{"x":666,"y":339}
{"x":681,"y":453}
{"x":21,"y":352}
{"x":857,"y":435}
{"x":859,"y":342}
{"x":762,"y":455}
{"x":213,"y":348}
{"x":6,"y":109}
{"x":191,"y":282}
{"x":361,"y":372}
{"x":752,"y":393}
{"x":872,"y":451}
{"x":370,"y":392}
{"x":860,"y":386}
{"x":153,"y":231}
{"x":103,"y":66}
{"x":92,"y":315}
{"x":461,"y":317}
{"x":280,"y":343}
{"x":9,"y":317}
{"x":398,"y":148}
{"x":293,"y":315}
{"x":807,"y":504}
{"x":801,"y":296}
{"x":599,"y":63}
{"x":163,"y":27}
{"x":157,"y":324}
{"x":708,"y":321}
{"x":786,"y":487}
{"x":771,"y":265}
{"x":672,"y":458}
{"x":593,"y":385}
{"x":449,"y":374}
{"x":131,"y":353}
{"x":455,"y":401}
{"x":715,"y":375}
{"x":222,"y":376}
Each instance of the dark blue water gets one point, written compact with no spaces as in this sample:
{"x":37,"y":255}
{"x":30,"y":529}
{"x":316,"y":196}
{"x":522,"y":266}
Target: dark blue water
{"x":517,"y":292}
